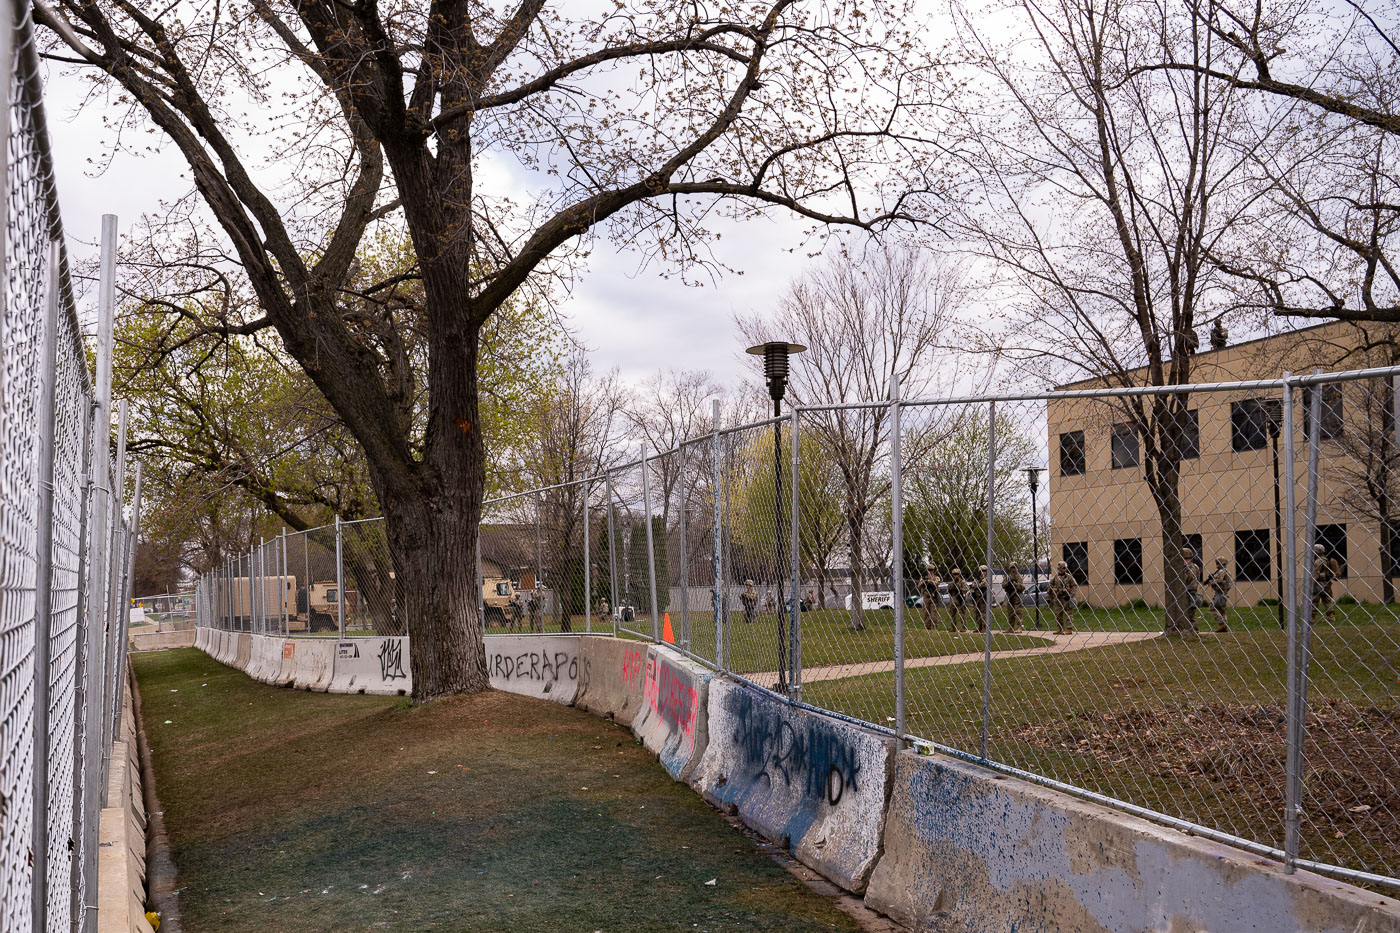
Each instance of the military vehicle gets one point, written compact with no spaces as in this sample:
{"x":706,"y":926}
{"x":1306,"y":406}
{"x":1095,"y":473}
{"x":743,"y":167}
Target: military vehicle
{"x":496,"y":599}
{"x":313,"y":608}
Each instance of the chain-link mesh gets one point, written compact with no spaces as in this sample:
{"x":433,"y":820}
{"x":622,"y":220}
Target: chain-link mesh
{"x":51,"y":643}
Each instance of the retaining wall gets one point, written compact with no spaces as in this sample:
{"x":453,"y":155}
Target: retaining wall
{"x":969,"y":850}
{"x":544,"y":666}
{"x":611,"y":675}
{"x":672,"y":722}
{"x":808,"y":782}
{"x":372,"y":665}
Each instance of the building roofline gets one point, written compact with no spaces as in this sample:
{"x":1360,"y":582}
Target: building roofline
{"x":1068,"y":386}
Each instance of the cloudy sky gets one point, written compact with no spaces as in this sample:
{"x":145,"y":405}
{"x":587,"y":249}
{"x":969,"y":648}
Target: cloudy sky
{"x":629,"y":316}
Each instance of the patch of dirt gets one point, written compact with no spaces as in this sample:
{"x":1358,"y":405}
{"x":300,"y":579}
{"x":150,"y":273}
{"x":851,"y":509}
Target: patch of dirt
{"x":1234,"y":759}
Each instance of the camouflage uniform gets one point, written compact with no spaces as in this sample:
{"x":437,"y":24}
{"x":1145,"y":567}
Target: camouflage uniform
{"x":980,"y":594}
{"x":1015,"y":587}
{"x":1220,"y":582}
{"x":1325,"y":573}
{"x":749,"y":599}
{"x":1063,"y":594}
{"x":1193,"y":585}
{"x":957,"y":600}
{"x":928,"y":592}
{"x":603,"y":610}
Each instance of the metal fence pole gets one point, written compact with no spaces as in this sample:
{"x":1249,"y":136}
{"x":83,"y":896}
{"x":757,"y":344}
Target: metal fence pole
{"x":480,"y":581}
{"x":987,"y":586}
{"x":612,"y":552}
{"x":651,"y":545}
{"x":339,"y":581}
{"x":1298,"y":634}
{"x":685,"y":558}
{"x":124,"y":623}
{"x":897,"y":517}
{"x":795,"y":625}
{"x":726,"y":555}
{"x":262,"y":585}
{"x":587,"y":567}
{"x":81,"y":663}
{"x":43,"y":594}
{"x":114,"y":563}
{"x":282,"y":593}
{"x":715,"y":494}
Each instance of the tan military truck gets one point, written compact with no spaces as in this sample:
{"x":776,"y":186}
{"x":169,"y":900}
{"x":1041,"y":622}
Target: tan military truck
{"x":497,"y":601}
{"x":313,"y":608}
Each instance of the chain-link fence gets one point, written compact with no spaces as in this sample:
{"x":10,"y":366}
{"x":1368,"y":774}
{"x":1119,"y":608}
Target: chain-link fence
{"x":66,"y":542}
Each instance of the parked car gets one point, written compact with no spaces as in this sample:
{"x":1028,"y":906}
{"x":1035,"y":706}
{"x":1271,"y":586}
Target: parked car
{"x":1037,"y":593}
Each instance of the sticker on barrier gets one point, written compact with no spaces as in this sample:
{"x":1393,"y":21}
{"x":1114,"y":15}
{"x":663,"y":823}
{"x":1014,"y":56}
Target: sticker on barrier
{"x":372,"y":665}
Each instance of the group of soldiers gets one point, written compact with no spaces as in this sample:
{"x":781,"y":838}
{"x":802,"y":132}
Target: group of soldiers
{"x":1325,"y":572}
{"x":964,"y":597}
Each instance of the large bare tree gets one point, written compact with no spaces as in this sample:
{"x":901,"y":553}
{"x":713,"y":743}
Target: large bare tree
{"x":1106,"y":187}
{"x":304,"y":124}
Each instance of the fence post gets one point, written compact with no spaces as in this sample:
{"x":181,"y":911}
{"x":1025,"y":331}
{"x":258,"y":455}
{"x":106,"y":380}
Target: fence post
{"x":725,"y":538}
{"x":339,"y":584}
{"x":651,"y":544}
{"x":1298,"y":634}
{"x":897,"y":516}
{"x":987,"y":587}
{"x":587,"y":566}
{"x":539,"y":566}
{"x":43,"y":594}
{"x":715,"y":494}
{"x":283,"y":587}
{"x":480,"y":581}
{"x":612,"y":552}
{"x":114,"y":557}
{"x":81,"y":664}
{"x":795,"y":626}
{"x":685,"y":556}
{"x":262,"y":582}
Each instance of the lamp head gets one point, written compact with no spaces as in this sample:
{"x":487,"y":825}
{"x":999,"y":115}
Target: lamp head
{"x":775,"y":355}
{"x":1033,"y":477}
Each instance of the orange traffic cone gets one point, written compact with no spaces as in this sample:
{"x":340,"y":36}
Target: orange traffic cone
{"x":668,"y":636}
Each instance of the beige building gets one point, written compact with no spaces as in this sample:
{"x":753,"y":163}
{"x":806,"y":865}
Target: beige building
{"x":1104,"y":521}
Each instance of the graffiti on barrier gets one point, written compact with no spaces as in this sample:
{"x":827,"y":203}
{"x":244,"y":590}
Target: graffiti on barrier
{"x":391,"y":659}
{"x":632,"y":662}
{"x":811,"y":755}
{"x":671,"y":695}
{"x":535,"y":665}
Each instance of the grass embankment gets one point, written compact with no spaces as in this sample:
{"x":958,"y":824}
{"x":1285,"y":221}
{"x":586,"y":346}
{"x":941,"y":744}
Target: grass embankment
{"x":299,"y":812}
{"x":1194,"y":728}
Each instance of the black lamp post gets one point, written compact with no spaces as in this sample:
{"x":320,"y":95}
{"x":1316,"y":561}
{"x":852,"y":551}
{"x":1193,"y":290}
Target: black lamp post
{"x":1033,"y":478}
{"x":775,"y":355}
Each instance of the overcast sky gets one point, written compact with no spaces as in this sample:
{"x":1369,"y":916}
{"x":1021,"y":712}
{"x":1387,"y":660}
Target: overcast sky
{"x":630,"y":317}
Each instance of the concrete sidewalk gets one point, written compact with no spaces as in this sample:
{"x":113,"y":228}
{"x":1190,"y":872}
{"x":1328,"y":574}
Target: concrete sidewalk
{"x":1058,"y":644}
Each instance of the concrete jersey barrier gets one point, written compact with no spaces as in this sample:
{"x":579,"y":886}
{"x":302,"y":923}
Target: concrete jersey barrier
{"x":243,"y":651}
{"x":672,"y":723}
{"x":372,"y":665}
{"x":309,"y":664}
{"x":611,"y":674}
{"x":969,"y":850}
{"x":809,"y":782}
{"x":543,"y":666}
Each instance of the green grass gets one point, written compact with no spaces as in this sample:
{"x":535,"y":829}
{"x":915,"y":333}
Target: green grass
{"x":1194,"y":728}
{"x":296,"y":812}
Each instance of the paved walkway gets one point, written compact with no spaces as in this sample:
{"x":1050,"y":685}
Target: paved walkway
{"x":1058,"y":644}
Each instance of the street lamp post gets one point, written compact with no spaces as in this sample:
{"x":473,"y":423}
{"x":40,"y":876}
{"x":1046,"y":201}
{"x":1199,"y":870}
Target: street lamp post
{"x":1273,"y":417}
{"x":1033,"y":478}
{"x":775,"y":371}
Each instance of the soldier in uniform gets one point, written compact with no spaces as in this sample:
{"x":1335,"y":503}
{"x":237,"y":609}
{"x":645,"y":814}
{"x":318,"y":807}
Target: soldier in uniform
{"x":957,"y":600}
{"x":980,"y":592}
{"x":1220,"y":582}
{"x":1325,"y":573}
{"x":1015,"y":586}
{"x":809,"y":600}
{"x":1064,"y":598}
{"x":603,"y":609}
{"x":770,"y":601}
{"x":516,"y":610}
{"x":928,"y":592}
{"x":749,"y":598}
{"x":532,"y":605}
{"x":1193,"y":585}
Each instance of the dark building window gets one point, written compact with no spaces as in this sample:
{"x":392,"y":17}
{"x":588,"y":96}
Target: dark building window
{"x":1124,"y":446}
{"x":1075,"y":554}
{"x":1394,"y":569}
{"x":1249,"y":425}
{"x":1333,"y":539}
{"x":1072,"y":453}
{"x":1127,"y":560}
{"x":1189,"y":445}
{"x":1331,"y":405}
{"x":1252,"y":560}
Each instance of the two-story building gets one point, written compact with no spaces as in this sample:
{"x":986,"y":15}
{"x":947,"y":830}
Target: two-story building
{"x":1104,"y":521}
